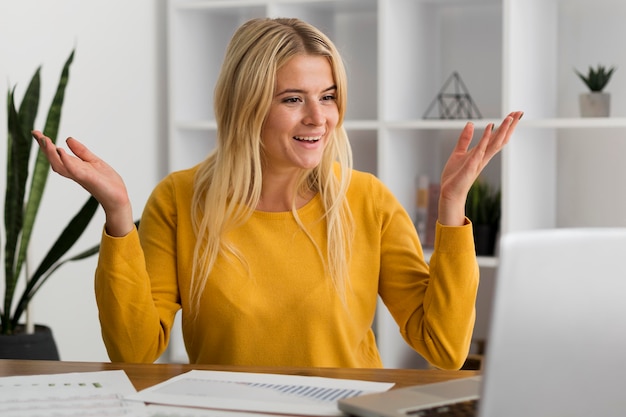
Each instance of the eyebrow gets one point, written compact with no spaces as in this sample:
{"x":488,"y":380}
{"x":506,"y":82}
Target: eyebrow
{"x":296,"y":90}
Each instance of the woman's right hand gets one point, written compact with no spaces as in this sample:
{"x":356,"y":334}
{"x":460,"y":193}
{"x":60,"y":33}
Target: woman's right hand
{"x":95,"y":176}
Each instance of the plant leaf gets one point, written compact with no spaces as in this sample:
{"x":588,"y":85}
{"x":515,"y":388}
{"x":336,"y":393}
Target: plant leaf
{"x":483,"y":203}
{"x":596,"y":78}
{"x":11,"y":211}
{"x":19,"y":146}
{"x":64,"y":242}
{"x":18,"y":158}
{"x":42,"y":165}
{"x":53,"y":120}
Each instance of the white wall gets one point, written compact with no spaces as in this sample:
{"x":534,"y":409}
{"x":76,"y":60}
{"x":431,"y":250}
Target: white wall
{"x":115,"y":104}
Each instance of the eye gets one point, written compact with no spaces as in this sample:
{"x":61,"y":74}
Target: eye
{"x":291,"y":100}
{"x":329,"y":97}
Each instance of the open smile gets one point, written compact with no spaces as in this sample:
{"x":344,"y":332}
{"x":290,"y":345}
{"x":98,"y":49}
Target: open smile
{"x":307,"y":138}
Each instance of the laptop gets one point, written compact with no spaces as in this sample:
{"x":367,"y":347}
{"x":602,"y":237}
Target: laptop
{"x":557,"y":337}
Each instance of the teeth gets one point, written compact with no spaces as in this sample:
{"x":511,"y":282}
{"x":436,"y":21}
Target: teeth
{"x":307,"y":139}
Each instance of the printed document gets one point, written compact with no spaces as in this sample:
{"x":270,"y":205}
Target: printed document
{"x":81,"y":394}
{"x":257,"y":392}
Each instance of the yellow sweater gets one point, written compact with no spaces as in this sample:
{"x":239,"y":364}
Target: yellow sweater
{"x":286,"y":313}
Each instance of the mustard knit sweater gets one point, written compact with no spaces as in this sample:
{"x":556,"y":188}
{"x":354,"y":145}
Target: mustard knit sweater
{"x":284,"y":312}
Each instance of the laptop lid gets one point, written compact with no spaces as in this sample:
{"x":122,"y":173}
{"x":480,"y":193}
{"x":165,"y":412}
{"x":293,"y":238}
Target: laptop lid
{"x":557,"y":340}
{"x":557,"y":337}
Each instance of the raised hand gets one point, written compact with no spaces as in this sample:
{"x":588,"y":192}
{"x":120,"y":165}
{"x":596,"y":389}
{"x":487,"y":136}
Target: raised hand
{"x":465,"y":165}
{"x":95,"y":176}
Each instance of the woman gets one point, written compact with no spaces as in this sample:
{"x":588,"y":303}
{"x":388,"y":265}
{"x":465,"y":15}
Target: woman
{"x":274,"y":248}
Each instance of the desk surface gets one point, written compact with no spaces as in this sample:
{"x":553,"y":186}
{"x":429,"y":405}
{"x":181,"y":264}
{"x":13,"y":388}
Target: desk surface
{"x":145,"y":375}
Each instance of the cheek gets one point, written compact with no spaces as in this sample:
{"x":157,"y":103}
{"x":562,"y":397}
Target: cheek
{"x":334,"y":119}
{"x":332,"y":115}
{"x":271,"y":127}
{"x":278,"y":123}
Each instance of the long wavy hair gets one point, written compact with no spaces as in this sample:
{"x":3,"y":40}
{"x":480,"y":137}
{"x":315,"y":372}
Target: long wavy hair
{"x":227,"y":185}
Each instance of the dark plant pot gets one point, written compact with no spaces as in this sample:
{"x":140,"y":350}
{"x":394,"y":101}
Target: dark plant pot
{"x":485,"y":239}
{"x":39,"y":345}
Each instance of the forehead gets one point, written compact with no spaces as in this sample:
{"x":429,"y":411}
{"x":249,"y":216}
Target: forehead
{"x":305,"y":70}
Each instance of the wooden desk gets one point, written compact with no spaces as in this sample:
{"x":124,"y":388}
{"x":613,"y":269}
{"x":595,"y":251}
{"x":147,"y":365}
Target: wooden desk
{"x":145,"y":375}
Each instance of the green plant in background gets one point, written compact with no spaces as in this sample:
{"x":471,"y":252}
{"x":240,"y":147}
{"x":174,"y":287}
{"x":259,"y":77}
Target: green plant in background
{"x":596,"y":78}
{"x":483,"y":204}
{"x":23,"y":197}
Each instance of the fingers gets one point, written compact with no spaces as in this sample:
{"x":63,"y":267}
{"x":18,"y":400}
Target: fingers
{"x":41,"y":139}
{"x":60,"y":161}
{"x":465,"y":138}
{"x":485,"y":139}
{"x":49,"y":149}
{"x":501,"y":136}
{"x":495,"y":141}
{"x":80,"y":150}
{"x":516,"y":118}
{"x":509,"y":124}
{"x":75,"y":146}
{"x":465,"y":164}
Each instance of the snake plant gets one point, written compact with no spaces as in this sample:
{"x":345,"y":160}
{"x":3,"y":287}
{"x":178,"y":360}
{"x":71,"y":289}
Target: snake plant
{"x":24,"y":191}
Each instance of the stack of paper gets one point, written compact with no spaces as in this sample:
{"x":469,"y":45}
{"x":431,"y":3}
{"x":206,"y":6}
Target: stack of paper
{"x":193,"y":394}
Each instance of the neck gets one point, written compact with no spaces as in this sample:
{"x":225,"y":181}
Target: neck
{"x":278,"y":194}
{"x":281,"y":201}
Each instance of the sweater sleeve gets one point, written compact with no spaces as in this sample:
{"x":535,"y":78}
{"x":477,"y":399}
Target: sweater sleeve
{"x":137,"y":296}
{"x":432,"y":302}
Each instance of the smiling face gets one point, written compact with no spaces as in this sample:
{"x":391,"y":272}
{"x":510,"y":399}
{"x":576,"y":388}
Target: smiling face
{"x":302,"y":115}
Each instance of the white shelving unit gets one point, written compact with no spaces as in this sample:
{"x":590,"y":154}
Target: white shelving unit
{"x":511,"y":54}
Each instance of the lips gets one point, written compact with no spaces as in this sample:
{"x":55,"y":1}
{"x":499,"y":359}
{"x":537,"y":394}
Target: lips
{"x":309,"y":139}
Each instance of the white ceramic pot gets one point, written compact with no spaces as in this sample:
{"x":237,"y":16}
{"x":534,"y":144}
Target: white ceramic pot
{"x":595,"y":104}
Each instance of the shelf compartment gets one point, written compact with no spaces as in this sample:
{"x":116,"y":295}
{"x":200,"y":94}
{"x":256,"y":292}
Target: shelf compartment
{"x":417,"y":33}
{"x":198,"y":38}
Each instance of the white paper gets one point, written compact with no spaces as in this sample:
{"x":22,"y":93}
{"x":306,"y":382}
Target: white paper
{"x":82,"y":394}
{"x":154,"y":410}
{"x":257,"y":392}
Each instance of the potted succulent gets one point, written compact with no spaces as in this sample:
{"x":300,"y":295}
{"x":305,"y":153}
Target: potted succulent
{"x":596,"y":102}
{"x":484,"y":210}
{"x":25,"y":182}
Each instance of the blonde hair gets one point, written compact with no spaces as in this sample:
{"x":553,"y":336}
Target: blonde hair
{"x":227,"y":186}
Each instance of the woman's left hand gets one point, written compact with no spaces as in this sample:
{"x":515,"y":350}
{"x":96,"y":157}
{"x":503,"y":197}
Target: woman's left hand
{"x":465,"y":165}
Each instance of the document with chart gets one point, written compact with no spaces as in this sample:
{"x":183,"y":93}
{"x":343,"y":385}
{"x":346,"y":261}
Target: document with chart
{"x":69,"y":394}
{"x":258,"y":392}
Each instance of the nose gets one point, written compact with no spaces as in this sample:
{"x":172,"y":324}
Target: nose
{"x":314,"y":115}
